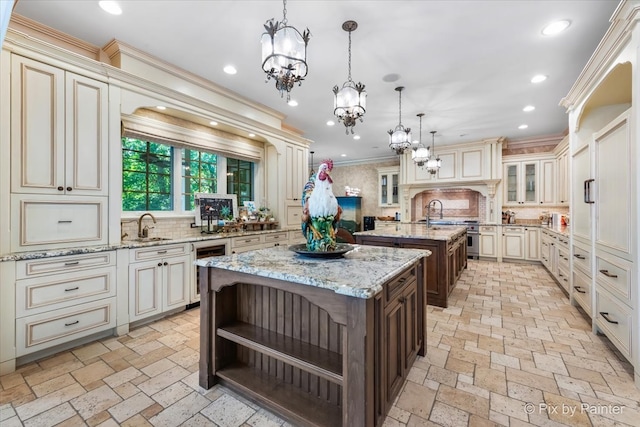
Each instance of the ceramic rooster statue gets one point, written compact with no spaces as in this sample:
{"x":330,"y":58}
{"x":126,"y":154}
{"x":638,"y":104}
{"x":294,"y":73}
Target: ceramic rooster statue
{"x":320,"y":210}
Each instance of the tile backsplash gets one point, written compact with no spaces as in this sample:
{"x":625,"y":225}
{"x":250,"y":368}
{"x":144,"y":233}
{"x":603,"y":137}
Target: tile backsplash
{"x":173,"y":228}
{"x":456,"y":204}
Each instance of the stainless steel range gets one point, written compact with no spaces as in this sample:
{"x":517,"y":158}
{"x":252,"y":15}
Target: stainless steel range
{"x":473,"y":234}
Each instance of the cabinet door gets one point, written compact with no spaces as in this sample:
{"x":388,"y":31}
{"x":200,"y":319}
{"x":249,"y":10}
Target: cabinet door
{"x":532,"y":244}
{"x":511,"y":179}
{"x":547,"y":181}
{"x":37,"y":127}
{"x":87,"y":136}
{"x":394,"y":331}
{"x":513,"y":246}
{"x":563,"y":179}
{"x":296,"y":171}
{"x":580,"y":209}
{"x":388,"y":188}
{"x":488,"y":245}
{"x":175,"y":272}
{"x":615,"y":194}
{"x":145,"y":289}
{"x":411,"y":339}
{"x":529,"y":182}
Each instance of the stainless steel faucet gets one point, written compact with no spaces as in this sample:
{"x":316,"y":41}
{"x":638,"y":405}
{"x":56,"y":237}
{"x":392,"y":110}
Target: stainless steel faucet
{"x":433,"y":201}
{"x":145,"y":232}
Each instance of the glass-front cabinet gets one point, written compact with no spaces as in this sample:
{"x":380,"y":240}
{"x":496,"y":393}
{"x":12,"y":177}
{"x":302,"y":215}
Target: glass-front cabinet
{"x":521,"y":183}
{"x":388,"y":181}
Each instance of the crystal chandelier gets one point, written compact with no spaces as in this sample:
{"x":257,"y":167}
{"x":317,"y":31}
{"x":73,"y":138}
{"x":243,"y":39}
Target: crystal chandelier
{"x":284,"y":53}
{"x":350,"y":102}
{"x":400,"y":138}
{"x":420,"y":154}
{"x":434,"y":163}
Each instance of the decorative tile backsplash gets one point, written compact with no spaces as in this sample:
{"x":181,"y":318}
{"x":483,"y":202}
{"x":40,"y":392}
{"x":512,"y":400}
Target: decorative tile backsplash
{"x":456,"y":204}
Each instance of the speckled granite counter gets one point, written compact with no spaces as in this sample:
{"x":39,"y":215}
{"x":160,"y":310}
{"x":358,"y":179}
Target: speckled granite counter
{"x":359,"y":273}
{"x":416,"y":231}
{"x":129,"y":244}
{"x":271,"y":317}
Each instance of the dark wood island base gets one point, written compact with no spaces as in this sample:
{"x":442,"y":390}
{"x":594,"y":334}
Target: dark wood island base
{"x":312,"y":355}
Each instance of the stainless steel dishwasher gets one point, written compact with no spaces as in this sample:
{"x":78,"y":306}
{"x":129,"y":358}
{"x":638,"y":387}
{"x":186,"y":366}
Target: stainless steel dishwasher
{"x":206,"y":249}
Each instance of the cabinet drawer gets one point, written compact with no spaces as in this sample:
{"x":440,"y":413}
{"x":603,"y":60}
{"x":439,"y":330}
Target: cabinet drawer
{"x":513,"y":230}
{"x":397,"y":285}
{"x":581,"y":291}
{"x":619,"y":333}
{"x":40,"y":331}
{"x":296,"y":237}
{"x":487,"y":229}
{"x":40,"y":294}
{"x":582,"y":258}
{"x":44,"y":221}
{"x":614,"y":274}
{"x":238,"y":242}
{"x":294,"y":215}
{"x":563,"y":278}
{"x":161,"y":251}
{"x":63,"y":264}
{"x":563,"y":259}
{"x":273,"y":238}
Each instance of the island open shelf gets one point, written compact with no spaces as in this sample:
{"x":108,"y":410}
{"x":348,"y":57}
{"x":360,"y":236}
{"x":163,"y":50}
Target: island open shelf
{"x":320,"y":342}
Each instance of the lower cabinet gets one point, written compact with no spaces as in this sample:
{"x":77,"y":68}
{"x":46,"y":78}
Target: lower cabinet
{"x":62,"y":299}
{"x":554,"y":254}
{"x":252,"y":242}
{"x":513,"y":242}
{"x":161,"y":282}
{"x":488,"y":243}
{"x":532,"y":244}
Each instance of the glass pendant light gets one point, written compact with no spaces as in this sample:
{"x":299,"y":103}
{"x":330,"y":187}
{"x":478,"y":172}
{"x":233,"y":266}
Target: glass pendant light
{"x":434,"y":163}
{"x":420,"y":154}
{"x":284,"y":53}
{"x":400,"y":137}
{"x":350,"y":101}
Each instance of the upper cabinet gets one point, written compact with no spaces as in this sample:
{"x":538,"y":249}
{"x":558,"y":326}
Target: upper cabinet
{"x":388,"y":182}
{"x":531,"y":180}
{"x":59,"y":144}
{"x":296,"y":171}
{"x":562,"y":175}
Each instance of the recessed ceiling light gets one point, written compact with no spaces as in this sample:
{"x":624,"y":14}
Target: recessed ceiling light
{"x":343,"y":155}
{"x":538,"y":78}
{"x":251,"y":135}
{"x":230,"y":69}
{"x":330,"y":123}
{"x":292,"y":103}
{"x":213,"y":123}
{"x":110,"y":7}
{"x":161,"y":107}
{"x":556,"y":27}
{"x":523,"y":126}
{"x":356,"y":136}
{"x":528,"y":108}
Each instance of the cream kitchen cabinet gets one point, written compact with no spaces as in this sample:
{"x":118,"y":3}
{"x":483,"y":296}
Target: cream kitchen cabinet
{"x":521,"y":183}
{"x":159,"y":280}
{"x":59,"y":142}
{"x":63,"y":299}
{"x":259,"y":241}
{"x":388,"y":186}
{"x":532,"y":243}
{"x":562,"y":172}
{"x":488,"y":241}
{"x":513,"y":242}
{"x":296,"y":172}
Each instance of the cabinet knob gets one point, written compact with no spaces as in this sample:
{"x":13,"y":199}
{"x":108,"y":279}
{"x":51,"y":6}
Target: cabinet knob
{"x":166,"y":263}
{"x":159,"y":264}
{"x":69,"y":189}
{"x":60,"y":188}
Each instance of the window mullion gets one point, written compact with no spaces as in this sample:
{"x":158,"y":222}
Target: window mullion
{"x":176,"y":181}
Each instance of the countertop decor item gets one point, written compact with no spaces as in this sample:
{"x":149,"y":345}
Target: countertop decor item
{"x":320,"y":210}
{"x":338,"y":252}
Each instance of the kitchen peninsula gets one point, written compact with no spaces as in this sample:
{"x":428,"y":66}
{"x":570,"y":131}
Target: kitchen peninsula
{"x":448,"y":246}
{"x":292,"y":332}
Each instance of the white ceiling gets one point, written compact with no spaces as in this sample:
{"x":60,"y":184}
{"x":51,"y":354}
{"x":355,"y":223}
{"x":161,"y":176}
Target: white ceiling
{"x":466,"y":64}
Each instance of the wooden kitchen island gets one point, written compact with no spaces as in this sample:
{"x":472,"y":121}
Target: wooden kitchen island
{"x":321,"y":342}
{"x":448,"y":246}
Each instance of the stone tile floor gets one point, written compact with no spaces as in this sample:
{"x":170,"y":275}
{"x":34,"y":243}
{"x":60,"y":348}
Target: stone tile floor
{"x":509,"y":351}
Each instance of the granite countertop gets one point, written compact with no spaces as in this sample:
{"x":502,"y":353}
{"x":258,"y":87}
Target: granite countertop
{"x":360,"y":273}
{"x":417,"y":231}
{"x":129,"y":244}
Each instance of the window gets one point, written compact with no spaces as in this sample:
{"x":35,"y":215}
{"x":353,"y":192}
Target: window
{"x":146,"y":176}
{"x":153,"y":172}
{"x":240,"y":179}
{"x":199,"y":175}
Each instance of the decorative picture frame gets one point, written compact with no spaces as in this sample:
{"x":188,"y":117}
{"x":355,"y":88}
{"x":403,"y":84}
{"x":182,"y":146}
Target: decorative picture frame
{"x":215,"y":207}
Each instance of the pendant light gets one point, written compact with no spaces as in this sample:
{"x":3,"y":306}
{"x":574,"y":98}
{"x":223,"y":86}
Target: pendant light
{"x":420,"y":154}
{"x":350,"y":101}
{"x":434,"y":163}
{"x":284,"y":53}
{"x":400,"y":137}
